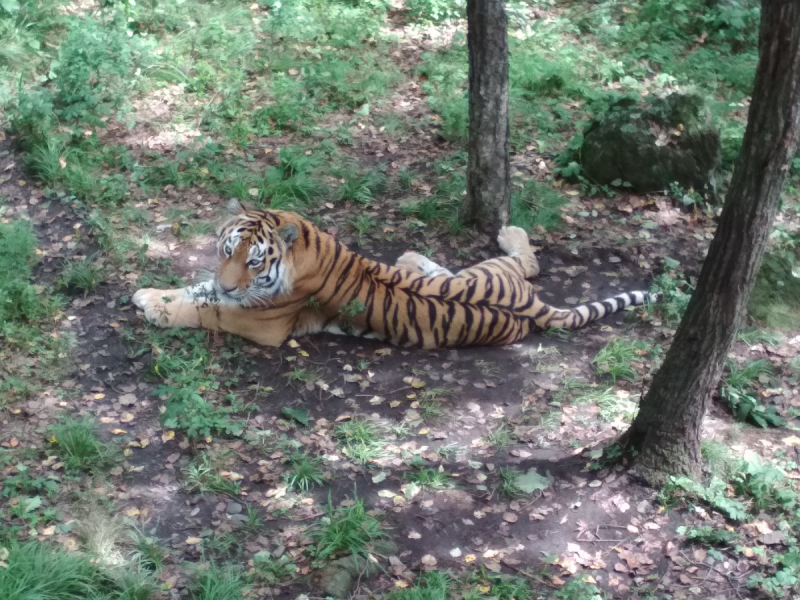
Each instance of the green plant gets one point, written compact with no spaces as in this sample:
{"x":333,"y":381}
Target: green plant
{"x":764,"y":483}
{"x":357,"y":187}
{"x":737,"y":391}
{"x":361,"y":440}
{"x":433,"y":585}
{"x":674,"y":299}
{"x":708,"y":535}
{"x":213,"y":582}
{"x":405,"y":178}
{"x":190,"y":392}
{"x":616,"y":358}
{"x":302,"y":375}
{"x":148,"y":551}
{"x":83,"y":275}
{"x":436,"y":10}
{"x":714,"y":493}
{"x":93,"y":69}
{"x":363,"y":224}
{"x":499,"y":437}
{"x":753,"y":335}
{"x":202,"y":476}
{"x":349,"y":312}
{"x":20,"y":301}
{"x":579,"y":589}
{"x":24,"y":483}
{"x":719,"y":458}
{"x":35,"y":571}
{"x":536,"y":206}
{"x":345,"y":530}
{"x":223,"y":544}
{"x":270,"y":570}
{"x":78,"y":446}
{"x":305,"y":472}
{"x":507,"y":485}
{"x":428,"y":478}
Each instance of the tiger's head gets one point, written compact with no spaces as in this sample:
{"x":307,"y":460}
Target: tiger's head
{"x":253,"y":248}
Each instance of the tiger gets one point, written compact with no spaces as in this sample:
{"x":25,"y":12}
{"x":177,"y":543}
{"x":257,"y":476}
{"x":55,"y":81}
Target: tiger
{"x":280,"y":276}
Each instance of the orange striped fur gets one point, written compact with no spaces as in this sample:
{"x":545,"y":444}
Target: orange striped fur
{"x":279,"y":276}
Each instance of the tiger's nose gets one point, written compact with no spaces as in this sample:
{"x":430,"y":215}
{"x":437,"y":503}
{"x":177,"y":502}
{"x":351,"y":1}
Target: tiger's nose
{"x":226,"y":290}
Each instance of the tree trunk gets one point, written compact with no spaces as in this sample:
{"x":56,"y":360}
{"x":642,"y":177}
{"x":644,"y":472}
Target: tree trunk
{"x":666,"y":432}
{"x":488,"y":181}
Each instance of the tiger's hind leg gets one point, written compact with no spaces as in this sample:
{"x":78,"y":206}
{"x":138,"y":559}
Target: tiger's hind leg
{"x":416,"y":263}
{"x":514,"y":242}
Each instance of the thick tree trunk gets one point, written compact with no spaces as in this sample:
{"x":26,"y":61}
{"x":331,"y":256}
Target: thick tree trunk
{"x":666,"y":432}
{"x":488,"y":187}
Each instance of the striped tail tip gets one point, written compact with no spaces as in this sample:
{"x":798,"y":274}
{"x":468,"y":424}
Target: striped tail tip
{"x":579,"y":316}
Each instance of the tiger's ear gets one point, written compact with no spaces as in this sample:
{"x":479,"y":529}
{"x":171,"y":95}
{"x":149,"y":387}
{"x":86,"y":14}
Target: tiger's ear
{"x":288,"y":233}
{"x":234,"y":207}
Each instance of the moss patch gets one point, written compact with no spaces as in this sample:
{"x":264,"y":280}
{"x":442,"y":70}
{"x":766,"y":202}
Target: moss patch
{"x":775,"y":300}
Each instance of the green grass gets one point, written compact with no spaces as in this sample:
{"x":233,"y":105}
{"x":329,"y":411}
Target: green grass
{"x":432,"y":403}
{"x":739,"y":392}
{"x":272,"y":571}
{"x":305,"y":472}
{"x":345,"y":530}
{"x":202,"y":476}
{"x":535,"y":206}
{"x":357,"y":186}
{"x":214,"y":582}
{"x":507,"y":486}
{"x":774,"y":300}
{"x":361,"y":441}
{"x":429,"y":478}
{"x":34,"y":571}
{"x":753,"y":335}
{"x":20,"y":301}
{"x":675,"y":295}
{"x":616,"y":359}
{"x":82,"y":275}
{"x":434,"y":585}
{"x":195,"y":401}
{"x":499,"y":437}
{"x":148,"y":552}
{"x":76,"y":443}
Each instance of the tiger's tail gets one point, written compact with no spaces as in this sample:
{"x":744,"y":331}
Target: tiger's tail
{"x":549,"y":317}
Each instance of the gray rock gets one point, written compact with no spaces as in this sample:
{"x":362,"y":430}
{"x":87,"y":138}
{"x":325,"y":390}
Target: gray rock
{"x":233,"y":508}
{"x":666,"y":140}
{"x":238,"y":520}
{"x":336,"y":581}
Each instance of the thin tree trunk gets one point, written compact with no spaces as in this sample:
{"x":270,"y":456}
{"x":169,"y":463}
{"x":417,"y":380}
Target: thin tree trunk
{"x":666,"y":432}
{"x":488,"y":173}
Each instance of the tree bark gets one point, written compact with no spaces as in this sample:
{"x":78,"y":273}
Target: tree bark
{"x":666,"y":432}
{"x":488,"y":172}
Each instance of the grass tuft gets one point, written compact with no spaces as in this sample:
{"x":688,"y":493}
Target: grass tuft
{"x":346,"y":530}
{"x":78,"y":446}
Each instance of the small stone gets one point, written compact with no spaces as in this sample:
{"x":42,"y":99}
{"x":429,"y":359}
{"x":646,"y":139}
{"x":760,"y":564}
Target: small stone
{"x":428,"y":560}
{"x":233,"y":508}
{"x":238,"y":520}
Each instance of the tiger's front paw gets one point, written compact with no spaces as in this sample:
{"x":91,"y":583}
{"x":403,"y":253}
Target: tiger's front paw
{"x":156,"y":306}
